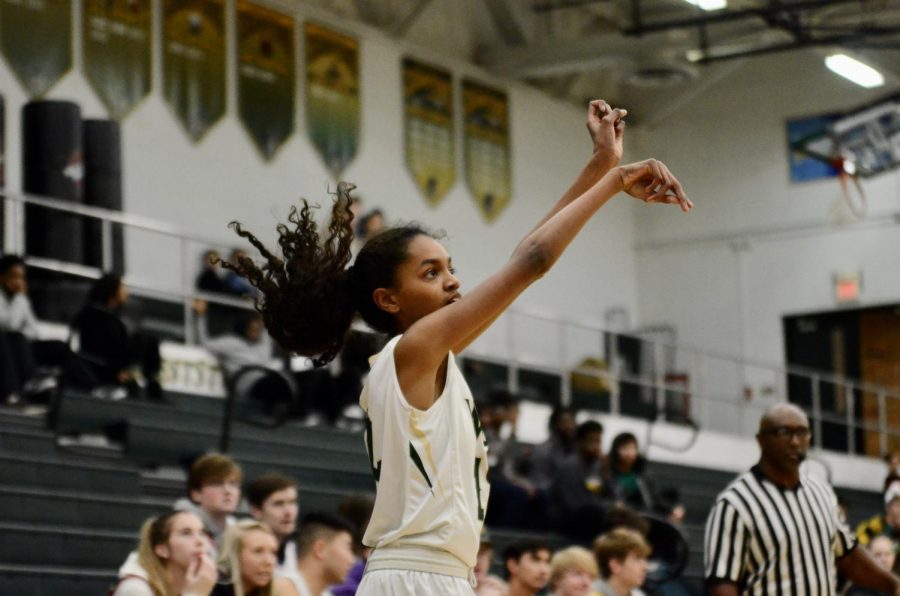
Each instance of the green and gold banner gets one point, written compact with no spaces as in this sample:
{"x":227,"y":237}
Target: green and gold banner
{"x":36,"y":38}
{"x":428,"y":128}
{"x":486,"y":113}
{"x":332,"y":95}
{"x":266,"y":80}
{"x":194,"y":62}
{"x":116,"y":36}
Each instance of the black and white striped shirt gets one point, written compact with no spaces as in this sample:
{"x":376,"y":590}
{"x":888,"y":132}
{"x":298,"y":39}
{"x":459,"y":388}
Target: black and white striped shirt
{"x":774,"y":541}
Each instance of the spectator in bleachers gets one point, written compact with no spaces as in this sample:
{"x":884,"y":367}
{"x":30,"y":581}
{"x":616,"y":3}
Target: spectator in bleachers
{"x":884,"y":551}
{"x":887,"y":523}
{"x":249,"y":346}
{"x":171,"y":559}
{"x":581,"y":494}
{"x":357,"y":509}
{"x":365,"y":226}
{"x":107,"y":345}
{"x":214,"y":491}
{"x":573,"y":570}
{"x":324,"y":554}
{"x":527,"y":567}
{"x":622,"y":558}
{"x":514,"y":500}
{"x":247,"y":562}
{"x":548,"y":457}
{"x":212,"y":277}
{"x":273,"y":501}
{"x":18,"y":326}
{"x":487,"y":584}
{"x":235,"y":284}
{"x":632,"y":487}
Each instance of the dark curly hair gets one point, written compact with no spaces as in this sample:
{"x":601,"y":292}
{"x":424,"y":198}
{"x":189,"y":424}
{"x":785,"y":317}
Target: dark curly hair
{"x":308,"y":296}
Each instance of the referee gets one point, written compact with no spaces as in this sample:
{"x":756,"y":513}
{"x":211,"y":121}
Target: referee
{"x":772,"y":532}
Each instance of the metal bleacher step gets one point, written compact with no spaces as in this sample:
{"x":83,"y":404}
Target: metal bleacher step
{"x":54,"y":472}
{"x":65,"y":546}
{"x":27,"y":440}
{"x":50,"y":580}
{"x":23,"y":417}
{"x":52,"y":506}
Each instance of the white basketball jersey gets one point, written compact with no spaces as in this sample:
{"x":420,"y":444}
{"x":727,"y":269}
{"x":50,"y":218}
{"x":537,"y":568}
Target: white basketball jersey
{"x":430,"y":468}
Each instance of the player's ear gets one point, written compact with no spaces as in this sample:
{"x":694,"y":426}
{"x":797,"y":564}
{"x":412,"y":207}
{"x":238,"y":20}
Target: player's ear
{"x":385,"y":300}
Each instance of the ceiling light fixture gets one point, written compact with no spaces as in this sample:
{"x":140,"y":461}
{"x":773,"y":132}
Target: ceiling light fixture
{"x":854,"y":70}
{"x":709,"y":4}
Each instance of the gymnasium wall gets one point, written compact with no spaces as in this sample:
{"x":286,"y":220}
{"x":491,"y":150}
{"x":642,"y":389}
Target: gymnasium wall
{"x":724,"y":285}
{"x":202,"y":187}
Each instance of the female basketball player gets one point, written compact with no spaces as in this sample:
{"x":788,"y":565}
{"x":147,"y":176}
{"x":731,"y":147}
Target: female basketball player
{"x":425,"y":444}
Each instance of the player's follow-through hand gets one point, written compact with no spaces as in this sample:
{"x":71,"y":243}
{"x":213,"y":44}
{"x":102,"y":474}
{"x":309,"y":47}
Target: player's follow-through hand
{"x":652,"y":182}
{"x":606,"y":126}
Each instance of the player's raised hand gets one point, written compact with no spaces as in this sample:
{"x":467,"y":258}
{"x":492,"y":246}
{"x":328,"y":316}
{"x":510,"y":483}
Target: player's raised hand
{"x":606,"y":126}
{"x":652,"y":182}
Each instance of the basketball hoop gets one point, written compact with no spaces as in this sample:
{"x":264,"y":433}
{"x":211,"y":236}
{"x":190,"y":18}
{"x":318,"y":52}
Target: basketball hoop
{"x":851,"y":188}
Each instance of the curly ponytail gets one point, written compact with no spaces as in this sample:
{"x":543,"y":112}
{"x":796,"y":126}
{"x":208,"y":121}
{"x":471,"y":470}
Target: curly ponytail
{"x":308,"y":297}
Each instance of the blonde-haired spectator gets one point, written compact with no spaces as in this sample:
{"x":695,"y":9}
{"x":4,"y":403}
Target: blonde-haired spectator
{"x":622,"y":557}
{"x":247,"y":561}
{"x":171,"y":559}
{"x":572,"y":571}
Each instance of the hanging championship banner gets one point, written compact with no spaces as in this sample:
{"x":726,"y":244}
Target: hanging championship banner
{"x":36,"y":37}
{"x":266,"y":80}
{"x":486,"y":113}
{"x":428,"y":128}
{"x":332,"y":95}
{"x":117,"y":48}
{"x":194,"y":62}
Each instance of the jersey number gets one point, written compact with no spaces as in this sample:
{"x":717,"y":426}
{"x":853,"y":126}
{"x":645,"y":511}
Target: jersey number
{"x":376,"y":471}
{"x":478,"y":488}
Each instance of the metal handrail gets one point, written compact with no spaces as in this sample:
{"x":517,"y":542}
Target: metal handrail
{"x":129,"y":219}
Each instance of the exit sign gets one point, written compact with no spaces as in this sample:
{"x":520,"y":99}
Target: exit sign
{"x":847,"y":287}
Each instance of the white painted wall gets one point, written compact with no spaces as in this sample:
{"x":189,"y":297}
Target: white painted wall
{"x":729,"y":148}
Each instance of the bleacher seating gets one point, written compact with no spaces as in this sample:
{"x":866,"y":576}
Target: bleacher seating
{"x":72,"y":513}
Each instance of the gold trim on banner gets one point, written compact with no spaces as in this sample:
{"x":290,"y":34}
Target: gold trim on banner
{"x":429,"y":139}
{"x":486,"y":147}
{"x":332,"y":95}
{"x":266,"y":80}
{"x":194,"y":63}
{"x":117,"y":45}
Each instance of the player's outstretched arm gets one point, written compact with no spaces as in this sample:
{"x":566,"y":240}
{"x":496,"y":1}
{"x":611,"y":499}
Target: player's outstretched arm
{"x":426,"y":343}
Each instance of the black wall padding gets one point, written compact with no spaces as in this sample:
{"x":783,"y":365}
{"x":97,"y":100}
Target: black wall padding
{"x":2,"y":170}
{"x":52,"y":166}
{"x":102,"y":188}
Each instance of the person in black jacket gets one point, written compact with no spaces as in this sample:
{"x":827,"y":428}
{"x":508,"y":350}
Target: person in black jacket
{"x":106,"y":345}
